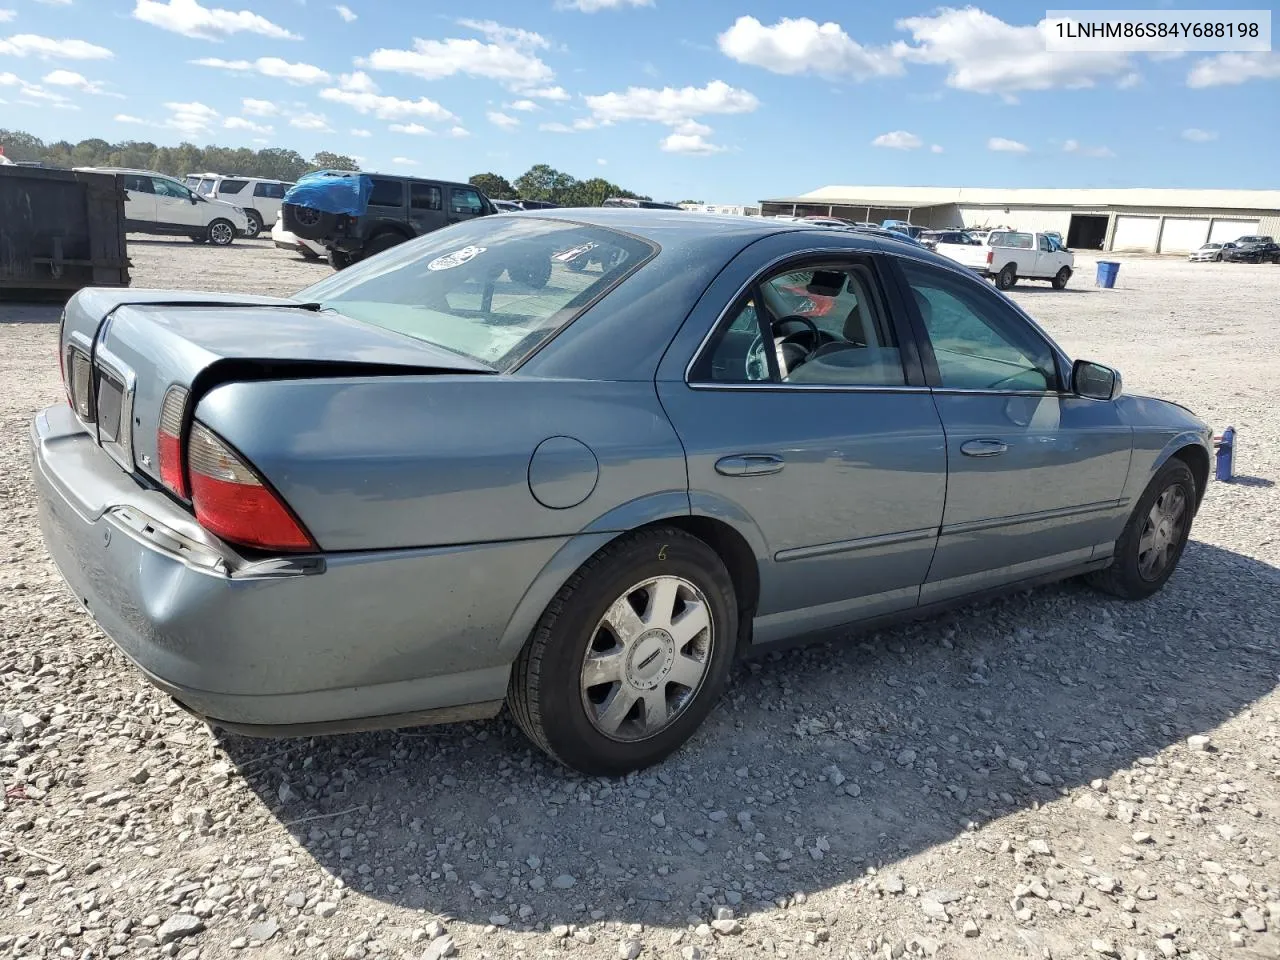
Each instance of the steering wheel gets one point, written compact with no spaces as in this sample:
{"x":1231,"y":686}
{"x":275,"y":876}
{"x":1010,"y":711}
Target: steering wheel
{"x":793,"y":353}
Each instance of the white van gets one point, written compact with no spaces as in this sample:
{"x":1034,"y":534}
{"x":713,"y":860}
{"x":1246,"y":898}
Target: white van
{"x":259,"y":198}
{"x":155,"y":203}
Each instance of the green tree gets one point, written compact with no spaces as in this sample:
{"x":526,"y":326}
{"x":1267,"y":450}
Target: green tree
{"x":543,"y":182}
{"x":324,"y":160}
{"x":20,"y":145}
{"x":493,"y":186}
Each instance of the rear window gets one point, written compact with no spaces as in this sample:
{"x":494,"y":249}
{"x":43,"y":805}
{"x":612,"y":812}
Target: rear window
{"x":231,"y":187}
{"x":492,"y":289}
{"x":269,"y":191}
{"x":387,"y":193}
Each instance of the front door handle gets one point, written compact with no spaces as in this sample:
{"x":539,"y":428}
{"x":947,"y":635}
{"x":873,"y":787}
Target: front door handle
{"x":749,"y":465}
{"x":983,"y":448}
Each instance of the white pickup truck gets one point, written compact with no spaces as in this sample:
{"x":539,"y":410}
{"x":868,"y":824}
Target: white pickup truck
{"x":1011,"y":255}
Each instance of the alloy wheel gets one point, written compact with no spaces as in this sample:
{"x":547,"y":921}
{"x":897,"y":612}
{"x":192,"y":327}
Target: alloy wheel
{"x":1162,"y":532}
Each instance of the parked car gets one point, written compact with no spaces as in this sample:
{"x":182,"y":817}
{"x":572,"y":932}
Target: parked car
{"x":828,"y":222}
{"x":284,"y":240}
{"x":537,"y":205}
{"x":638,"y":204}
{"x":392,"y":209}
{"x":1253,"y":249}
{"x":931,"y":238}
{"x":157,"y":204}
{"x":259,"y":198}
{"x":413,"y":491}
{"x":505,"y":206}
{"x":1208,"y":251}
{"x":1008,"y":257}
{"x":901,"y":226}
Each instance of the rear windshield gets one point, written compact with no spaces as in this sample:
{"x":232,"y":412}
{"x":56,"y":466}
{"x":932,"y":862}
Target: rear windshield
{"x":491,"y":289}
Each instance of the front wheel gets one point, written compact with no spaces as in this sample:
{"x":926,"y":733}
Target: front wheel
{"x":1153,"y":540}
{"x":630,"y":656}
{"x":222,"y":233}
{"x":255,"y":224}
{"x":340,"y":259}
{"x":1007,"y":277}
{"x":1061,"y":277}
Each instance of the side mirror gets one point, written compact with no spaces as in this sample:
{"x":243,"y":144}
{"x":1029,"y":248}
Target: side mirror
{"x":1094,"y":381}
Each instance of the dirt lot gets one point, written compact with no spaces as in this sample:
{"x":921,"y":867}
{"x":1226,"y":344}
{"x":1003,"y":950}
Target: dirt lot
{"x":1055,"y":774}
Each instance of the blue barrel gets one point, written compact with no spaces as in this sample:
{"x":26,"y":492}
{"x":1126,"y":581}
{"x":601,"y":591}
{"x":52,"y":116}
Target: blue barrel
{"x":1108,"y":270}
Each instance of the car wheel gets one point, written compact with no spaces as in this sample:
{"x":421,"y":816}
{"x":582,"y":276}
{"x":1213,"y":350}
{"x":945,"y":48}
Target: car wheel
{"x":222,"y":233}
{"x":340,"y":259}
{"x":308,"y":222}
{"x":255,"y":224}
{"x":1152,"y":542}
{"x":1218,"y":258}
{"x":1061,"y":278}
{"x":1007,"y":277}
{"x":630,"y":656}
{"x":380,"y":243}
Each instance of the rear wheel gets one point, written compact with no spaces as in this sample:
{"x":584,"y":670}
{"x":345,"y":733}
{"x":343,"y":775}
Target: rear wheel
{"x":222,"y":233}
{"x":340,"y":259}
{"x":1152,"y":542}
{"x":381,"y":243}
{"x":255,"y":224}
{"x":1061,"y":277}
{"x":1007,"y":277}
{"x":630,"y":656}
{"x":308,"y":222}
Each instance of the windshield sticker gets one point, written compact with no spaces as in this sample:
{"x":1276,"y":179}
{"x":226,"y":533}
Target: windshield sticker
{"x":574,"y":253}
{"x":455,"y":259}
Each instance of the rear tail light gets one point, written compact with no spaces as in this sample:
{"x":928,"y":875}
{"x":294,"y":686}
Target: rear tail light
{"x":233,"y":502}
{"x":79,"y":371}
{"x":169,"y":442}
{"x":990,"y":257}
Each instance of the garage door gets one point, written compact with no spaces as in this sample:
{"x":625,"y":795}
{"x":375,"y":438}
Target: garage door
{"x":1225,"y":231}
{"x":1136,"y":234}
{"x":1183,"y":234}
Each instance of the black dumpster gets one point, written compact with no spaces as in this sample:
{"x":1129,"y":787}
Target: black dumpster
{"x":60,"y":230}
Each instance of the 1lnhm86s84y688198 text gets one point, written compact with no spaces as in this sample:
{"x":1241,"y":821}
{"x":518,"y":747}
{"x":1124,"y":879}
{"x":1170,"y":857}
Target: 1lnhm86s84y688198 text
{"x":1078,"y":31}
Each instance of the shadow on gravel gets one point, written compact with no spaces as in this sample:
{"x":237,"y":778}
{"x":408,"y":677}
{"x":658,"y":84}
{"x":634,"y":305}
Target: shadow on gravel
{"x":969,"y":717}
{"x":45,"y":312}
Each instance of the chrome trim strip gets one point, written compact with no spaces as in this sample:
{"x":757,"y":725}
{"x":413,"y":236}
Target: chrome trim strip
{"x":975,"y":526}
{"x":769,"y":385}
{"x":861,"y":543}
{"x":121,"y":449}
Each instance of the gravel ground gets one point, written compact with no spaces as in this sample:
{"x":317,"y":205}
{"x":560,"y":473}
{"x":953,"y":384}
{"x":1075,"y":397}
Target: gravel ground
{"x":1054,"y":774}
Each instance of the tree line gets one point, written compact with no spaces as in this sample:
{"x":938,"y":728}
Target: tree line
{"x":539,"y":182}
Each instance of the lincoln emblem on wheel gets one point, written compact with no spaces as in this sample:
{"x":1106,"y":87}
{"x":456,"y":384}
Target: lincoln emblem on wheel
{"x":575,"y":462}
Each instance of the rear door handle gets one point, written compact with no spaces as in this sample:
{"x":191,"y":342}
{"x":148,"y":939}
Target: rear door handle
{"x":749,"y":465}
{"x":983,"y":448}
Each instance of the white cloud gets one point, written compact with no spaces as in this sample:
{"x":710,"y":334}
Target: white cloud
{"x":46,"y":48}
{"x":69,"y":78}
{"x":259,"y":108}
{"x":190,"y":19}
{"x":55,"y":3}
{"x":358,"y":82}
{"x":459,"y":132}
{"x":295,"y":73}
{"x":1001,"y":145}
{"x":358,"y":132}
{"x":404,"y":161}
{"x":1196,"y":135}
{"x":34,"y":94}
{"x":7,"y":15}
{"x":129,"y":118}
{"x":386,"y":108}
{"x":1074,"y":146}
{"x":523,"y":105}
{"x":413,"y":129}
{"x":555,"y":128}
{"x":601,"y":162}
{"x":693,"y":128}
{"x":311,"y":121}
{"x":936,"y":148}
{"x":508,"y":58}
{"x":670,"y":105}
{"x":691,"y":143}
{"x":1230,"y":69}
{"x":240,"y":123}
{"x":592,"y":6}
{"x":192,"y":119}
{"x":1129,"y":80}
{"x":547,"y":93}
{"x":804,"y":46}
{"x":898,"y":140}
{"x":345,"y":12}
{"x":503,"y":120}
{"x":986,"y":55}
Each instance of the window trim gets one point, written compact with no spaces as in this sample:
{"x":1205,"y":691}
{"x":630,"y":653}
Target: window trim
{"x":402,"y":184}
{"x":890,"y":294}
{"x":933,"y":375}
{"x":458,"y":188}
{"x":428,"y":186}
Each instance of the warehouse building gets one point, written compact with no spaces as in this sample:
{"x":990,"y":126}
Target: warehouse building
{"x":1131,"y":220}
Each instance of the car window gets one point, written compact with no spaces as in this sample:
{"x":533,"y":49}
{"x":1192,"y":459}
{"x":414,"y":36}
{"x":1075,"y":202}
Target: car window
{"x":829,"y":326}
{"x":133,"y":181}
{"x":387,"y":193}
{"x":492,"y":289}
{"x":269,"y":191}
{"x":170,"y":188}
{"x":978,"y":342}
{"x":424,"y":196}
{"x":231,"y":187}
{"x":1046,"y":245}
{"x":204,"y":187}
{"x":465,"y":201}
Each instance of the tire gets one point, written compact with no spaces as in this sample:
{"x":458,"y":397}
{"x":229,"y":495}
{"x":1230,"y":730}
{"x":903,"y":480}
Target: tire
{"x":308,"y":222}
{"x":550,"y":695}
{"x":255,"y":224}
{"x":340,"y":259}
{"x":535,"y":272}
{"x":1129,"y":576}
{"x":1060,"y":278}
{"x":222,"y":233}
{"x":307,"y":253}
{"x":381,"y":243}
{"x":1007,"y":277}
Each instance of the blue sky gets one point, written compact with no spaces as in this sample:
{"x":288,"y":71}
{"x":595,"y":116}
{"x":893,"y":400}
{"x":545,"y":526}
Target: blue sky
{"x":728,"y":101}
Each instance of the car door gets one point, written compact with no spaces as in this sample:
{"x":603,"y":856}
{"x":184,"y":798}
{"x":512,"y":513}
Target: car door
{"x":465,"y":204}
{"x":426,"y":206}
{"x":139,"y":202}
{"x":1035,"y":473}
{"x":386,"y":202}
{"x":1046,"y":257}
{"x":834,"y":463}
{"x":176,"y":206}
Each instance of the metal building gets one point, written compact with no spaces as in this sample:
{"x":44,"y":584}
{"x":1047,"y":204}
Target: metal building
{"x":1133,"y":220}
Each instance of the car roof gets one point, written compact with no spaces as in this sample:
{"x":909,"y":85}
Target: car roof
{"x":145,"y":173}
